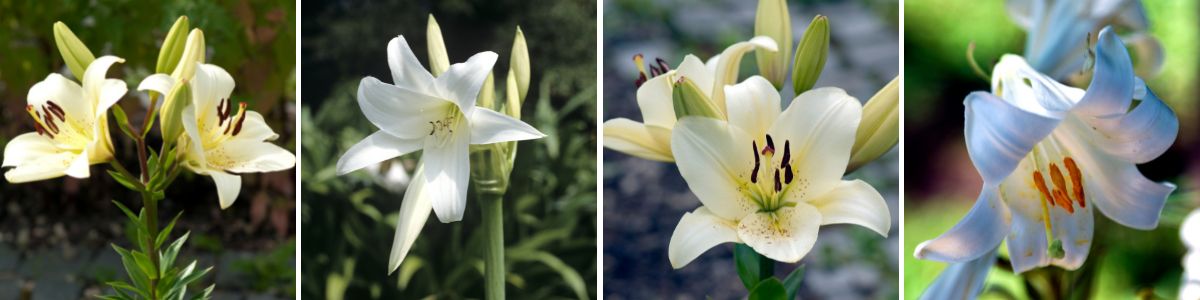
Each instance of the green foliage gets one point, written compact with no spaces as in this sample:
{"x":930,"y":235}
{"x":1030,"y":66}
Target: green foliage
{"x":272,"y":269}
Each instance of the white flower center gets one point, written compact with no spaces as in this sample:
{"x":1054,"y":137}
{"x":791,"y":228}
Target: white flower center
{"x":442,"y":129}
{"x":228,"y":126}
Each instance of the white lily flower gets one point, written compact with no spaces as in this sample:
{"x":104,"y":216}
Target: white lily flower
{"x":438,"y":115}
{"x":774,"y":197}
{"x":1056,"y":43}
{"x":219,"y":141}
{"x":1049,"y":154}
{"x":72,"y":126}
{"x":651,"y":139}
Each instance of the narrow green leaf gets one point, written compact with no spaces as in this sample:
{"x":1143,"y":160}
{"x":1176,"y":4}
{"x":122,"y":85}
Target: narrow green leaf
{"x":172,"y":251}
{"x":139,"y":279}
{"x":166,"y":231}
{"x":205,"y":294}
{"x":128,"y":213}
{"x":120,"y":288}
{"x":769,"y":289}
{"x":747,"y":262}
{"x":144,"y":264}
{"x":126,"y":181}
{"x":793,"y":280}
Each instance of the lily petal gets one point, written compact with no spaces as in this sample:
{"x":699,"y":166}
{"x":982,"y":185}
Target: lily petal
{"x":79,"y":166}
{"x":64,"y":92}
{"x":1027,"y":248}
{"x":377,"y":147}
{"x":786,"y":235}
{"x":414,"y":211}
{"x":1120,"y":191}
{"x":228,"y":186}
{"x":753,"y":104}
{"x":1111,"y":90}
{"x":730,"y":62}
{"x":36,"y":158}
{"x":407,"y":71}
{"x":706,"y":152}
{"x":243,"y":155}
{"x":107,"y":91}
{"x":977,"y":234}
{"x":488,"y":126}
{"x":1143,"y":134}
{"x":447,"y":168}
{"x":961,"y":280}
{"x":654,"y":100}
{"x":697,"y":232}
{"x":399,"y":111}
{"x":160,"y":83}
{"x":1074,"y":231}
{"x":855,"y":202}
{"x":820,"y":124}
{"x":210,"y":86}
{"x":255,"y":128}
{"x":461,"y":83}
{"x":629,"y":137}
{"x":999,"y":135}
{"x":697,"y":72}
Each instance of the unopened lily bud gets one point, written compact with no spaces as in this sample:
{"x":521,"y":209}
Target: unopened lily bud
{"x":689,"y":100}
{"x":773,"y":20}
{"x":170,"y":119}
{"x":519,"y":63}
{"x":193,"y":55}
{"x":487,"y":93}
{"x":879,"y":129}
{"x":513,"y":99}
{"x":172,"y":47}
{"x":74,"y":52}
{"x":439,"y":61}
{"x":810,"y":55}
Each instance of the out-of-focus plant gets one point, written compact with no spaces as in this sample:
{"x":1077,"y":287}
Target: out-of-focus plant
{"x":72,"y":133}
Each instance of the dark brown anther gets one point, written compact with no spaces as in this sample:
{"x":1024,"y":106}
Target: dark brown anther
{"x":787,"y":153}
{"x":37,"y":126}
{"x":754,"y":173}
{"x":787,"y":173}
{"x":49,"y":123}
{"x":641,"y":80}
{"x":57,"y":110}
{"x":662,"y":65}
{"x":770,"y":149}
{"x":241,"y":119}
{"x":778,"y":184}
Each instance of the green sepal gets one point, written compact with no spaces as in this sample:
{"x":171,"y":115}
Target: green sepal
{"x":689,"y":100}
{"x":751,"y":267}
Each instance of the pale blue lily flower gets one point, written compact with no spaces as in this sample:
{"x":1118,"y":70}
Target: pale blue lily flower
{"x":1058,"y":32}
{"x":1049,"y":154}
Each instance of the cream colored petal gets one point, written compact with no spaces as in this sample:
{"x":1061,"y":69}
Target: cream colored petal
{"x":695,"y":70}
{"x":654,"y":100}
{"x":712,"y":157}
{"x":244,"y":155}
{"x":753,"y":105}
{"x":820,"y":125}
{"x":228,"y":187}
{"x":697,"y":232}
{"x":785,"y":235}
{"x":66,"y":94}
{"x":629,"y":137}
{"x":730,"y":62}
{"x":855,"y":202}
{"x":106,"y":91}
{"x":160,"y":83}
{"x":35,"y":158}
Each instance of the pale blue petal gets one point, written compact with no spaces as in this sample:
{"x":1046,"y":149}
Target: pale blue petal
{"x":976,"y":234}
{"x":999,"y":135}
{"x":961,"y":280}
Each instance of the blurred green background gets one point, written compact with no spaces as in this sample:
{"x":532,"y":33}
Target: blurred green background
{"x":942,"y":184}
{"x":54,"y":234}
{"x":550,"y":208}
{"x":644,"y":200}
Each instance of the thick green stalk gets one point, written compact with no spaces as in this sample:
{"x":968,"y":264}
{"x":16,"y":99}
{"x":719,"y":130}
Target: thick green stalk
{"x":493,"y":226}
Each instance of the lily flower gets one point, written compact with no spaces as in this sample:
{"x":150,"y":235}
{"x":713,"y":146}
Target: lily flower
{"x":775,"y":196}
{"x":1056,"y":43}
{"x":438,"y":115}
{"x":651,"y":139}
{"x":1049,"y":155}
{"x":218,"y":139}
{"x":71,"y":123}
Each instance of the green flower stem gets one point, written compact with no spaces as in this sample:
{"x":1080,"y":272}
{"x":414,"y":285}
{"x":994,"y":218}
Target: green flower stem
{"x":151,"y":206}
{"x":493,"y":226}
{"x":766,"y":266}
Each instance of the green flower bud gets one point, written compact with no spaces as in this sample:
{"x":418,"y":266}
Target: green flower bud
{"x":172,"y":47}
{"x":439,"y":61}
{"x":688,"y":100}
{"x":772,"y":20}
{"x":519,"y":63}
{"x":171,"y":118}
{"x":512,"y":93}
{"x":879,"y":130}
{"x":810,"y":55}
{"x":487,"y":93}
{"x":193,"y":55}
{"x":74,"y":52}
